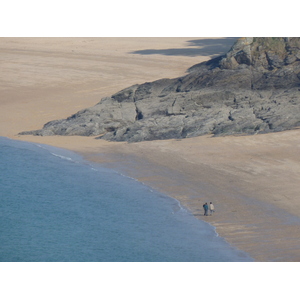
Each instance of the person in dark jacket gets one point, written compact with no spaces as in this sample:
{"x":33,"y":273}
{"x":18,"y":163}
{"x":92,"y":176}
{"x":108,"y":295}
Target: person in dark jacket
{"x":205,"y":207}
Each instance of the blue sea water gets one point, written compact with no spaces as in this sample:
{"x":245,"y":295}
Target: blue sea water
{"x":57,"y":207}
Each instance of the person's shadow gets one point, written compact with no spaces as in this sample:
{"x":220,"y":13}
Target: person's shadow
{"x":202,"y":47}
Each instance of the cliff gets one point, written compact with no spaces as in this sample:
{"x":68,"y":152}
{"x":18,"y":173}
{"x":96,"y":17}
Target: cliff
{"x":252,"y":89}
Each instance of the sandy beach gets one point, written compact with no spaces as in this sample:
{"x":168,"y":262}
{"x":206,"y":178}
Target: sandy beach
{"x":253,"y":181}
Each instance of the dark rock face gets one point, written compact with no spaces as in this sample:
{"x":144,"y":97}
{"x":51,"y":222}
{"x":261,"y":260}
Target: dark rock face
{"x":254,"y":88}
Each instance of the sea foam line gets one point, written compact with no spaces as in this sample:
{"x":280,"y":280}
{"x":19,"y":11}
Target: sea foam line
{"x":62,"y":157}
{"x":55,"y":154}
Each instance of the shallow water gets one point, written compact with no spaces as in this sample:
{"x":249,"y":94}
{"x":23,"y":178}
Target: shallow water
{"x":54,"y":206}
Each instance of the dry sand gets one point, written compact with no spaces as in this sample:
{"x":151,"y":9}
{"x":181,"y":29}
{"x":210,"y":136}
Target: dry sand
{"x":252,"y":180}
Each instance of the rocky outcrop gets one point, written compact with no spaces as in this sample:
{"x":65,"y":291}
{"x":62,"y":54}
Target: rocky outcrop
{"x":252,"y":89}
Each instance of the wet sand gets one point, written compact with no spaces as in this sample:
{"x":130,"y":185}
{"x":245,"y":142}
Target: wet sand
{"x":252,"y":180}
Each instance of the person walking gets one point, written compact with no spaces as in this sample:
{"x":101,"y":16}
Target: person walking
{"x":211,"y":208}
{"x":205,"y":206}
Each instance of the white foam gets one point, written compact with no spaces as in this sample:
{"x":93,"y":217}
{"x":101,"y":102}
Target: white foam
{"x":62,"y":157}
{"x":50,"y":149}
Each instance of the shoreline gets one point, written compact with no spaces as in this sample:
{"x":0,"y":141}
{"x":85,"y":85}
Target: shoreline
{"x":108,"y":162}
{"x":252,"y":180}
{"x":248,"y":219}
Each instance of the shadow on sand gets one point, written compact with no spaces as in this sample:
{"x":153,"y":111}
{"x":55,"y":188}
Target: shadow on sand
{"x":201,"y":47}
